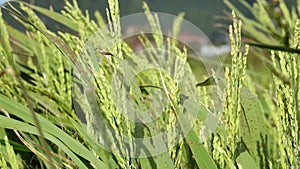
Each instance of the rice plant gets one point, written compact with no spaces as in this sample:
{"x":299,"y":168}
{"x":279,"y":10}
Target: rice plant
{"x":47,"y":78}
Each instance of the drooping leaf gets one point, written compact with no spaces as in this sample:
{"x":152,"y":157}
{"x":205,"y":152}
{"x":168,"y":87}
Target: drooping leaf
{"x":52,"y":133}
{"x":55,"y":16}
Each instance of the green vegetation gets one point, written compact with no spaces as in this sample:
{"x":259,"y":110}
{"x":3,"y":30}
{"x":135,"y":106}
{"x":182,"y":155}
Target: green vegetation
{"x":39,"y":128}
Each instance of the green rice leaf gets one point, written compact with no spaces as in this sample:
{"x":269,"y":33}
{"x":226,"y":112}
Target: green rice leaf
{"x":9,"y":123}
{"x":253,"y":124}
{"x":200,"y":153}
{"x":245,"y":161}
{"x":55,"y":16}
{"x":48,"y":128}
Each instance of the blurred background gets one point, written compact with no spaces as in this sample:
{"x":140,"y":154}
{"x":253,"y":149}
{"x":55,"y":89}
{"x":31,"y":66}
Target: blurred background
{"x":205,"y":14}
{"x":210,"y":16}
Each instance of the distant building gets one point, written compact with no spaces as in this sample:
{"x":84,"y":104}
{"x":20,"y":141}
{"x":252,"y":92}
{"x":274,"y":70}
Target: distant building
{"x":195,"y":44}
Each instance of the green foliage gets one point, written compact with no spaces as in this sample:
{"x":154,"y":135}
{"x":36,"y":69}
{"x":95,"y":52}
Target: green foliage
{"x":275,"y":28}
{"x":258,"y":128}
{"x":273,"y":23}
{"x":287,"y":118}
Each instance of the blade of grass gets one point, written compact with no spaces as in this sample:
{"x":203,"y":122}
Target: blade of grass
{"x":9,"y":123}
{"x":55,"y":16}
{"x":103,"y":154}
{"x":22,"y":112}
{"x":164,"y":161}
{"x":253,"y":124}
{"x":200,"y":153}
{"x":245,"y":161}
